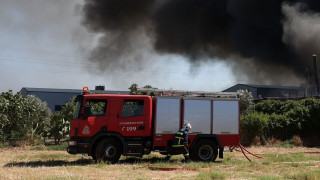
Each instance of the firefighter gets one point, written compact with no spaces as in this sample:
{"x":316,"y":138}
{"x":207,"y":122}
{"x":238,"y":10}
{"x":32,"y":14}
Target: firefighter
{"x":180,"y":138}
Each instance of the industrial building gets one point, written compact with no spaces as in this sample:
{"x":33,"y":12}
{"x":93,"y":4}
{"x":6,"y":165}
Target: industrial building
{"x":269,"y":91}
{"x":57,"y":98}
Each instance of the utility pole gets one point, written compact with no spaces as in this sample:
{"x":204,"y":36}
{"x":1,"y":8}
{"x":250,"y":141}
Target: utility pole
{"x":316,"y":74}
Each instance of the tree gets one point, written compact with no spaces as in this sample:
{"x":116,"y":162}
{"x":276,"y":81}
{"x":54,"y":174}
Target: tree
{"x":67,"y":114}
{"x":21,"y":117}
{"x":246,"y":101}
{"x":134,"y":90}
{"x":55,"y":127}
{"x":38,"y":116}
{"x":13,"y":114}
{"x":58,"y":127}
{"x":4,"y":119}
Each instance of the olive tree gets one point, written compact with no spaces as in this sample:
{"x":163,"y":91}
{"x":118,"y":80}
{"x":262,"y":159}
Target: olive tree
{"x":134,"y":90}
{"x":21,"y":117}
{"x":13,"y":115}
{"x":246,"y":101}
{"x":38,"y":116}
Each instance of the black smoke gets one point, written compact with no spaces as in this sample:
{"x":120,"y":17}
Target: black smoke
{"x":248,"y":34}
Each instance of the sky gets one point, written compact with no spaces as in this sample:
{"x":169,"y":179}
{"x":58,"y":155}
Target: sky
{"x":44,"y":45}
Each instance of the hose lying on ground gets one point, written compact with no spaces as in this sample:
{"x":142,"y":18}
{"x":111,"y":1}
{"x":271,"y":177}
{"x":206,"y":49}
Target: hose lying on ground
{"x":243,"y":150}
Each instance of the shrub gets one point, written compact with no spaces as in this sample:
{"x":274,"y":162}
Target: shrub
{"x":297,"y":140}
{"x":273,"y":142}
{"x":256,"y":141}
{"x":254,"y":124}
{"x":286,"y":144}
{"x":282,"y":120}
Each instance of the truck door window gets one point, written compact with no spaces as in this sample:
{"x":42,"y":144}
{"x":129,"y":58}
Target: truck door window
{"x":77,"y":110}
{"x":132,"y":107}
{"x":97,"y":106}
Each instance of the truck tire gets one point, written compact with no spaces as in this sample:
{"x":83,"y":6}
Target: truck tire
{"x":94,"y":157}
{"x":205,"y":150}
{"x":108,"y":150}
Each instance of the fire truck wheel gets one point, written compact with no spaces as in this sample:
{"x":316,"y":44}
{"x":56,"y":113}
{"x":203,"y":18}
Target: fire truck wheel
{"x":205,"y":150}
{"x":108,"y":150}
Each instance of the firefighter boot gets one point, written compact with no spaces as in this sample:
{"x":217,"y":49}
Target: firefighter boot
{"x":167,"y":157}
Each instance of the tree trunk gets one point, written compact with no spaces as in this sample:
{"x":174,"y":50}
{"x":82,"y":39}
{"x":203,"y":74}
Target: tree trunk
{"x":44,"y":140}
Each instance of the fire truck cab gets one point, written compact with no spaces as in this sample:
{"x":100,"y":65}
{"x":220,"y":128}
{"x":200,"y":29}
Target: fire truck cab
{"x":106,"y":126}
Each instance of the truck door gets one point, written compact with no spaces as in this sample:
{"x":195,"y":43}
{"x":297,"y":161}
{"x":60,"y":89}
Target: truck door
{"x":133,"y":120}
{"x":97,"y":117}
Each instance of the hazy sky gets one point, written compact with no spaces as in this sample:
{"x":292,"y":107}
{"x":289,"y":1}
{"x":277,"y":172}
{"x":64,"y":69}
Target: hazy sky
{"x":44,"y":45}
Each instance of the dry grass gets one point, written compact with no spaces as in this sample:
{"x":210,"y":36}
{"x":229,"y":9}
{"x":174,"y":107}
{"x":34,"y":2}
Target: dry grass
{"x":280,"y":163}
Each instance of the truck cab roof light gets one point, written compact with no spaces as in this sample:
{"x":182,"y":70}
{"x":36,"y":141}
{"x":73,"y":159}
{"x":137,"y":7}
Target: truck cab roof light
{"x":85,"y":90}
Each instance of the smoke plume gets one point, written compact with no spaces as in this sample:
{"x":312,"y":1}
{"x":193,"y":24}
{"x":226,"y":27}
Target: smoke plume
{"x":268,"y":41}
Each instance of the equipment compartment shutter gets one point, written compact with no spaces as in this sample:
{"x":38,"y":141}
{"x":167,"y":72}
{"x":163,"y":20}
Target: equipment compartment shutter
{"x":225,"y":117}
{"x":168,"y":115}
{"x":198,"y":114}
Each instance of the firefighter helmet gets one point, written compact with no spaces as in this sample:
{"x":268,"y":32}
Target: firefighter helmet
{"x":187,"y":126}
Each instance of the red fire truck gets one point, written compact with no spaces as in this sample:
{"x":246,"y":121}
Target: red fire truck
{"x":106,"y":126}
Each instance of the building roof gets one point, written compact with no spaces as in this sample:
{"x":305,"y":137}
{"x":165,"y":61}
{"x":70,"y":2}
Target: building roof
{"x":270,"y":86}
{"x":77,"y":91}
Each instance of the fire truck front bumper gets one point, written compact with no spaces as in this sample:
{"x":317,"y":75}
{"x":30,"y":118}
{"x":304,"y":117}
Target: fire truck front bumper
{"x":74,"y":147}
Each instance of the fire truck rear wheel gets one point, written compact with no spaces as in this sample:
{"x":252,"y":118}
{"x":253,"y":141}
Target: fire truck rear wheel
{"x":205,"y":150}
{"x":108,"y":150}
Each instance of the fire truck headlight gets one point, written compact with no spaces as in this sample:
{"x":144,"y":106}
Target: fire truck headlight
{"x":72,"y":143}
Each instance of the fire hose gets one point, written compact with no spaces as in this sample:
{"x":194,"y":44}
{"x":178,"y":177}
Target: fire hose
{"x":244,"y":150}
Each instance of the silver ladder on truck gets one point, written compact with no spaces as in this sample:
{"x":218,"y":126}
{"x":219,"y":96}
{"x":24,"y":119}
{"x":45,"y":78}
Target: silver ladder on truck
{"x":164,"y":92}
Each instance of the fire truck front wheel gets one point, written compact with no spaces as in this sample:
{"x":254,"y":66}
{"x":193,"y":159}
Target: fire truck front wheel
{"x":108,"y":150}
{"x":205,"y":150}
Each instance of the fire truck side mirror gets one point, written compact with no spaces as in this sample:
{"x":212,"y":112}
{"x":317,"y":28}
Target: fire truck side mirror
{"x":87,"y":112}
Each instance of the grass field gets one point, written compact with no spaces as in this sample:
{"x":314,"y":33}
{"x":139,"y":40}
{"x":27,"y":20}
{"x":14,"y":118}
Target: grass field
{"x":41,"y":163}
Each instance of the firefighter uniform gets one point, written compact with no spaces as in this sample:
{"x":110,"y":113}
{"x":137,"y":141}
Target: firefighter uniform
{"x":180,"y":138}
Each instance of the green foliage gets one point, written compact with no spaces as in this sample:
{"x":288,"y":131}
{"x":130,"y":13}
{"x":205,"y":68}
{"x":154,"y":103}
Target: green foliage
{"x":254,"y":124}
{"x":282,"y":119}
{"x":286,"y":144}
{"x":133,"y":89}
{"x":38,"y":116}
{"x":59,"y":125}
{"x":13,"y":116}
{"x":67,"y":110}
{"x":311,"y":124}
{"x":22,"y":118}
{"x":26,"y":119}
